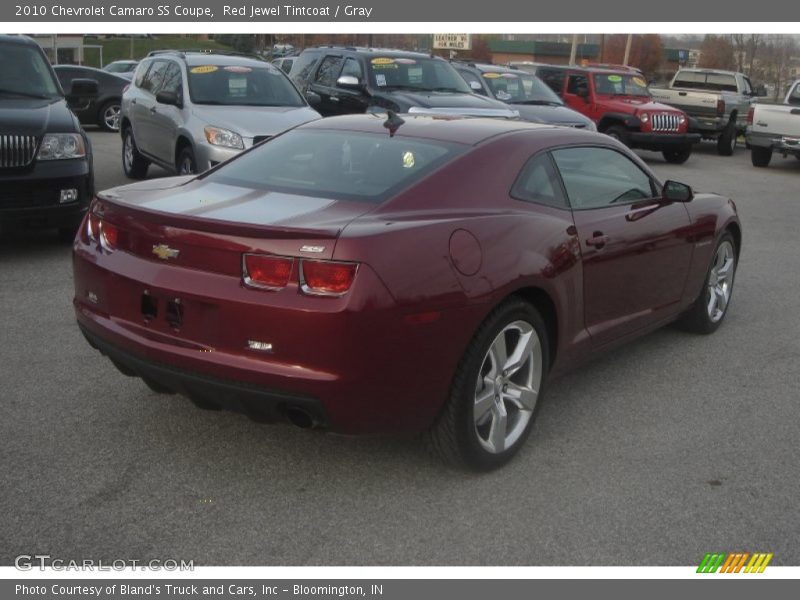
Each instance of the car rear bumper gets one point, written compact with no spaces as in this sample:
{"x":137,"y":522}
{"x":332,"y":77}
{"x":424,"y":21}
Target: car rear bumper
{"x":32,"y":198}
{"x":256,"y":402}
{"x":661,"y":141}
{"x":779,"y":143}
{"x":708,"y":125}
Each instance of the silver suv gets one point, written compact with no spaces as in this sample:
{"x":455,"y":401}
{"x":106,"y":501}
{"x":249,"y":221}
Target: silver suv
{"x":188,"y":111}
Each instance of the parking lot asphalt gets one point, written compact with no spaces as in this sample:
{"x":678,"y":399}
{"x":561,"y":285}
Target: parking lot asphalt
{"x":669,"y":448}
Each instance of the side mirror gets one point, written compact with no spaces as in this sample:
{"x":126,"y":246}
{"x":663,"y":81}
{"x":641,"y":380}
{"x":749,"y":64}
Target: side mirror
{"x":313,"y":98}
{"x":677,"y":192}
{"x":167,"y":97}
{"x":348,"y":81}
{"x":84,"y":87}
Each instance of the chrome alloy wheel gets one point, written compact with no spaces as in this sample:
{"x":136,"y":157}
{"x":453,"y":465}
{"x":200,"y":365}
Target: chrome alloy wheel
{"x":720,"y":281}
{"x":111,"y":117}
{"x":508,"y":386}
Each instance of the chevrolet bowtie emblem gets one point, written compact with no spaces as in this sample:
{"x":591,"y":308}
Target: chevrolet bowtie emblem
{"x":164,"y":252}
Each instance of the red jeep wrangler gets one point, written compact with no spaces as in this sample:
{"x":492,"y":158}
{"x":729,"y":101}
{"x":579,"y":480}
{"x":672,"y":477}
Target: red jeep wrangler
{"x":618,"y":101}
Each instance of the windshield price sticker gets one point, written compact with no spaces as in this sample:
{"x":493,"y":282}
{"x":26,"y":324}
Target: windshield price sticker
{"x":380,"y":80}
{"x":615,"y":78}
{"x":204,"y":69}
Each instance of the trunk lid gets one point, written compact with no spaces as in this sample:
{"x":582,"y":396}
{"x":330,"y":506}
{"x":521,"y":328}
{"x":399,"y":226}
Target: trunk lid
{"x":208,"y":226}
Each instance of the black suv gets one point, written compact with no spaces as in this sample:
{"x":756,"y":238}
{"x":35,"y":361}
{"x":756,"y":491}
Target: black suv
{"x":528,"y":94}
{"x":339,"y":80}
{"x":46,"y":177}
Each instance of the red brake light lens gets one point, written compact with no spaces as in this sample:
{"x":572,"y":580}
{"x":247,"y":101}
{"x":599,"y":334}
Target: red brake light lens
{"x":109,"y":235}
{"x":750,"y":114}
{"x":327,"y":278}
{"x":267,"y":272}
{"x":720,"y":107}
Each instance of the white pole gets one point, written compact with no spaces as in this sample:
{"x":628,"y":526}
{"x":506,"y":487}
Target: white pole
{"x":574,"y":51}
{"x":628,"y":49}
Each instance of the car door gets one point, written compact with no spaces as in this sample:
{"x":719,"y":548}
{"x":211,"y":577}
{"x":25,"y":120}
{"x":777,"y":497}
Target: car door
{"x":635,"y":246}
{"x":165,"y":117}
{"x":324,"y":84}
{"x":146,"y":129}
{"x":576,"y":83}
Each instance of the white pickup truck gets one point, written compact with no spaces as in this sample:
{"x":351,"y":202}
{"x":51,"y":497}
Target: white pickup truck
{"x":775,"y":127}
{"x":716,"y":102}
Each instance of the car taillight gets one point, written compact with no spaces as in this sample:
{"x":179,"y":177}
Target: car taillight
{"x":750,"y":114}
{"x":109,"y":235}
{"x":327,"y":277}
{"x":266,"y":272}
{"x":92,"y":227}
{"x":720,"y":107}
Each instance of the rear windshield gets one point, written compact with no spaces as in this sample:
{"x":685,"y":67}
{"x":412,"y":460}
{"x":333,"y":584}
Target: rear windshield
{"x":242,"y":86}
{"x":417,"y":74}
{"x":717,"y":82}
{"x":24,"y":73}
{"x":340,"y":165}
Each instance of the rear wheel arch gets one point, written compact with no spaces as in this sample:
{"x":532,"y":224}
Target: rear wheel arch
{"x":543,"y":302}
{"x":736,"y":231}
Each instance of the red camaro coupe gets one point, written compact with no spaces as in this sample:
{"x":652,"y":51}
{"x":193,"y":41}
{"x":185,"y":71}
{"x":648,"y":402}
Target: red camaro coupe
{"x":385,"y":274}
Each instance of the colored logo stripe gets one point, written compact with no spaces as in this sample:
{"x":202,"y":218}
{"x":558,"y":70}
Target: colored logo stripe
{"x":734,"y":562}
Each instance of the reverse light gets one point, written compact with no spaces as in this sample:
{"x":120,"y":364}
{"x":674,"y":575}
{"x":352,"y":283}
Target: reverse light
{"x":266,"y":272}
{"x":92,"y":227}
{"x":326,"y":277}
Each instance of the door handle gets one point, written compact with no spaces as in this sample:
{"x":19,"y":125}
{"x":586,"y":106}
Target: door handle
{"x":598,"y":240}
{"x":133,"y":101}
{"x":153,"y":110}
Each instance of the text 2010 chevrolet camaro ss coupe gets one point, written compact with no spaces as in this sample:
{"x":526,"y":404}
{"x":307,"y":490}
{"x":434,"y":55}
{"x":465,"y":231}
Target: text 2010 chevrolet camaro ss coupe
{"x":373,"y":274}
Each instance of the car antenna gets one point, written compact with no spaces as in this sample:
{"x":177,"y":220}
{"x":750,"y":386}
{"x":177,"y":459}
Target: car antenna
{"x":392,"y":122}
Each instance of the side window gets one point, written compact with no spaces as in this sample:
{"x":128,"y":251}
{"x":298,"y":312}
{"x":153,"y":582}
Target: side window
{"x":286,"y":65}
{"x":302,"y":68}
{"x":599,"y":177}
{"x":577,"y":82}
{"x":328,"y":70}
{"x":553,"y":78}
{"x":155,"y":77}
{"x":748,"y":87}
{"x":794,"y":95}
{"x":173,"y":80}
{"x":473,"y":81}
{"x":538,"y":182}
{"x":353,"y":68}
{"x":141,"y":71}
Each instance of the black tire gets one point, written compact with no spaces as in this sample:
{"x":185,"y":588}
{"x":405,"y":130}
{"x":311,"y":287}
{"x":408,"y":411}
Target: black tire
{"x":133,"y":164}
{"x":618,"y":132}
{"x":104,"y":115}
{"x":454,"y":436}
{"x":726,"y":142}
{"x":186,"y":163}
{"x":677,"y":157}
{"x":697,"y":318}
{"x":760,"y":156}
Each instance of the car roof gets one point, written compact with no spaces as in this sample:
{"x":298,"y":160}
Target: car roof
{"x":374,"y":51}
{"x":194,"y":58}
{"x":708,"y":71}
{"x":22,"y":40}
{"x":443,"y":128}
